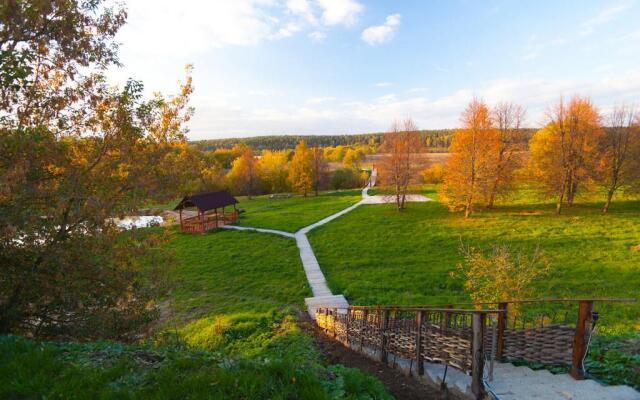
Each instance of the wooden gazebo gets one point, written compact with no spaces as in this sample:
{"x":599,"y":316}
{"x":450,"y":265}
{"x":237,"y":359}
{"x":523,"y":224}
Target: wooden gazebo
{"x":205,"y":203}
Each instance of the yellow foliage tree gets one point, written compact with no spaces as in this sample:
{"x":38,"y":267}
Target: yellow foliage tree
{"x":565,"y":153}
{"x":301,"y":169}
{"x":244,"y":172}
{"x":273,"y":170}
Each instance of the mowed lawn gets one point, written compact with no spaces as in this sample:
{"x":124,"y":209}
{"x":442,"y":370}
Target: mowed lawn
{"x":375,"y":255}
{"x":227,"y":271}
{"x":295,"y":212}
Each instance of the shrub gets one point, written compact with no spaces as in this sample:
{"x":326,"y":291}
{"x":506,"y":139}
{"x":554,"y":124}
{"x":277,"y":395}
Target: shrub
{"x":433,"y":174}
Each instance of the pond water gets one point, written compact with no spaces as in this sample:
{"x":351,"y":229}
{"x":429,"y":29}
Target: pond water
{"x":142,"y":221}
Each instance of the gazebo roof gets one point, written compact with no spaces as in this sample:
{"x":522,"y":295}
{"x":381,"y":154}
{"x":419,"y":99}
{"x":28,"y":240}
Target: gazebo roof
{"x":207,"y":201}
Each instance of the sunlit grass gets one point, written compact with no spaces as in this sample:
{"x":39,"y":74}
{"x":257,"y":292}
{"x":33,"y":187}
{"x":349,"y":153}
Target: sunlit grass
{"x":295,"y":212}
{"x":377,"y":255}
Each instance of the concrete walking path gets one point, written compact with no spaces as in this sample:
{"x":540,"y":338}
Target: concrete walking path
{"x":322,"y":295}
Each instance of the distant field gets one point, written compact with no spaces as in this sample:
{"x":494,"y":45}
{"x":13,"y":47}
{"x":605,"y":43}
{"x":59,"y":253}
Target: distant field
{"x":377,"y":255}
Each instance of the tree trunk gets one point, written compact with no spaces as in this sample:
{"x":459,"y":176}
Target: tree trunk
{"x":467,"y":210}
{"x":608,"y":203}
{"x":492,"y":195}
{"x":561,"y":197}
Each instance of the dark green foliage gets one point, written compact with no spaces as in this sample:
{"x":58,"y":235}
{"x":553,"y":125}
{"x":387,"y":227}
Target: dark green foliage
{"x":344,"y":178}
{"x":436,"y":140}
{"x":615,"y":360}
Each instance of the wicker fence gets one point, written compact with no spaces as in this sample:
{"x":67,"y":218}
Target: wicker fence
{"x":455,"y":337}
{"x":463,"y":338}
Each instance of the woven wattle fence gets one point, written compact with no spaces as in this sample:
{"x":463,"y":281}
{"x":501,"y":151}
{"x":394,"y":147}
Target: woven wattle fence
{"x":464,"y":338}
{"x":448,"y":336}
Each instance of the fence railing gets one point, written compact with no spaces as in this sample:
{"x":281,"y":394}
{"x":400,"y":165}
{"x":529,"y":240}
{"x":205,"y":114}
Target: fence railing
{"x":464,"y":335}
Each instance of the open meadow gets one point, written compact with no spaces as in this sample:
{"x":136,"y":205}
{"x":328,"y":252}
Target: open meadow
{"x":376,"y":255}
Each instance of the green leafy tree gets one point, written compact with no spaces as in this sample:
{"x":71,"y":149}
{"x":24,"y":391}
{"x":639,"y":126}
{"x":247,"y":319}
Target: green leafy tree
{"x":75,"y":153}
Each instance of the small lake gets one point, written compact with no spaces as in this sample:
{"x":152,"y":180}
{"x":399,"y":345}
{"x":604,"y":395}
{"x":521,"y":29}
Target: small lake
{"x":142,"y":221}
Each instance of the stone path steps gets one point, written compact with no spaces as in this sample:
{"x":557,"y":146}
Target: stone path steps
{"x":523,"y":383}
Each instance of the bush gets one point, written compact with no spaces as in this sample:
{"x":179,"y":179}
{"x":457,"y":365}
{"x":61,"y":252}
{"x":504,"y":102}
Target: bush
{"x":345,"y":178}
{"x":433,"y":174}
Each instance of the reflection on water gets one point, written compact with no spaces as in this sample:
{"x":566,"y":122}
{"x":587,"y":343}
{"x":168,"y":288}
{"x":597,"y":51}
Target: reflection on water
{"x":138,"y":221}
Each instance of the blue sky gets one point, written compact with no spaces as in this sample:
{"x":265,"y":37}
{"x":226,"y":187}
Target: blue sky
{"x":351,"y":66}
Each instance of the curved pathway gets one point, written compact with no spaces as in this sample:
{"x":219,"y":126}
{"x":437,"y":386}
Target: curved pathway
{"x":322,"y":295}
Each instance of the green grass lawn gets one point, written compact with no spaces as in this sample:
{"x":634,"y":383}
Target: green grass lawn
{"x":377,"y":255}
{"x":228,"y":330}
{"x":291,"y":214}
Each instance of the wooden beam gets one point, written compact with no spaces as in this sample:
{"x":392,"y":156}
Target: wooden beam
{"x":383,"y":336}
{"x":579,"y":338}
{"x":477,"y":352}
{"x":419,"y":360}
{"x":501,"y":326}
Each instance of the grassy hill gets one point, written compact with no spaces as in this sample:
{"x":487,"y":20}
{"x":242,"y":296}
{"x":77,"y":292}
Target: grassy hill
{"x":227,"y":330}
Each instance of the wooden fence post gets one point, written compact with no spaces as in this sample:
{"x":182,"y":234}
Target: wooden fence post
{"x":579,"y":342}
{"x":335,"y":320}
{"x":502,"y":324}
{"x":365,"y":322}
{"x":477,"y":351}
{"x":383,"y":336}
{"x":419,"y":322}
{"x":346,"y":329}
{"x":447,"y":318}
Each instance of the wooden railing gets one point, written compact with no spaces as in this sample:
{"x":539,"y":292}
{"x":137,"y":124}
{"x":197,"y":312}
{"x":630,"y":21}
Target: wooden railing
{"x":462,"y":336}
{"x":203,"y":223}
{"x":454,"y":337}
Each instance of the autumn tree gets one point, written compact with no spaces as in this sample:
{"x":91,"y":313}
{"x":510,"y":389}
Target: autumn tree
{"x":244,"y":172}
{"x":507,"y":119}
{"x":470,"y":167}
{"x":301,"y":169}
{"x":619,"y":164}
{"x":400,"y":163}
{"x":564,"y":154}
{"x":319,"y":168}
{"x":273,"y":170}
{"x":354,"y":158}
{"x":75,"y":153}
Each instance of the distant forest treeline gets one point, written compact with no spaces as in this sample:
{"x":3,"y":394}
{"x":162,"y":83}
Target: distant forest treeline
{"x":436,"y":140}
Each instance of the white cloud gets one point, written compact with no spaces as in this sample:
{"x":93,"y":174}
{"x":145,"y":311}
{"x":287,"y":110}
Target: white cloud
{"x":323,"y":115}
{"x":317,"y":36}
{"x":302,"y":8}
{"x":340,"y":12}
{"x":382,"y":84}
{"x":606,"y":15}
{"x":286,"y":31}
{"x":381,"y":33}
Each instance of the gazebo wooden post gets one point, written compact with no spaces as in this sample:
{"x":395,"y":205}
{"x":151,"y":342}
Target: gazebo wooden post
{"x":201,"y":220}
{"x":181,"y":227}
{"x":216,"y":211}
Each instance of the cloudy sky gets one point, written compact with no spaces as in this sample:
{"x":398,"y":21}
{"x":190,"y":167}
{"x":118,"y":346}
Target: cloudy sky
{"x":352,"y":66}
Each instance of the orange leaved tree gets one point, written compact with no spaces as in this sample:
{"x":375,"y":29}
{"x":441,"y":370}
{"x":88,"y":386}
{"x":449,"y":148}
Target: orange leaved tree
{"x":619,"y":164}
{"x":400,"y":162}
{"x":507,"y":119}
{"x":471,"y":164}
